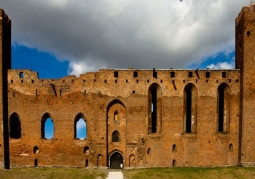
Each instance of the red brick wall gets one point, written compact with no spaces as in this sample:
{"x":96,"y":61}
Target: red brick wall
{"x":97,"y":100}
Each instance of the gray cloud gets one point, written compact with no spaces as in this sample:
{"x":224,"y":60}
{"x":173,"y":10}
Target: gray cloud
{"x":96,"y":34}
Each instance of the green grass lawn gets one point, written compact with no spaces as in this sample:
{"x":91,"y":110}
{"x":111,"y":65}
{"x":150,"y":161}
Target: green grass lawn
{"x":152,"y":173}
{"x":53,"y":173}
{"x":197,"y":173}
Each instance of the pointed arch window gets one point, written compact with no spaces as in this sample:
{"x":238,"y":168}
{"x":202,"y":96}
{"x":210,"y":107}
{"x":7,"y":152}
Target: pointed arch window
{"x":80,"y":127}
{"x":15,"y":126}
{"x":190,"y":108}
{"x":223,"y":108}
{"x":47,"y":127}
{"x":115,"y":136}
{"x":154,"y":108}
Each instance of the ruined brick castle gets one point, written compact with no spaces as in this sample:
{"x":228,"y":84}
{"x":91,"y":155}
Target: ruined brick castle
{"x":134,"y":118}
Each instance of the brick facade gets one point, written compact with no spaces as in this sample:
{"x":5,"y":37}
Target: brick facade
{"x":137,"y":118}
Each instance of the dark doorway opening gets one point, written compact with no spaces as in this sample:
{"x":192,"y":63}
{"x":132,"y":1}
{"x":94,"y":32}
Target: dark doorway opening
{"x":116,"y":161}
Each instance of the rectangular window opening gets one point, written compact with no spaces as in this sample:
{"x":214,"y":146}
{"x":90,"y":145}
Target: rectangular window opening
{"x":116,"y":74}
{"x":207,"y":74}
{"x":224,"y":75}
{"x":190,"y":74}
{"x":188,"y":110}
{"x":154,"y":111}
{"x":172,"y":74}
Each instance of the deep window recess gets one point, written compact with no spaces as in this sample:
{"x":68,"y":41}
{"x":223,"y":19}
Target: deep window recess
{"x":154,"y":108}
{"x":154,"y":73}
{"x":36,"y":150}
{"x":21,"y":75}
{"x":115,"y":136}
{"x":190,"y":74}
{"x":47,"y":127}
{"x":190,"y":108}
{"x":223,"y":108}
{"x":174,"y":149}
{"x":15,"y":126}
{"x":224,"y":75}
{"x":116,"y":74}
{"x":135,"y":74}
{"x":231,"y":147}
{"x":86,"y":150}
{"x":207,"y":74}
{"x":172,"y":74}
{"x":149,"y":151}
{"x":80,"y":127}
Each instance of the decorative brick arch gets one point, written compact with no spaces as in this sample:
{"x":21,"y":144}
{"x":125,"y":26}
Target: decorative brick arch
{"x":116,"y":160}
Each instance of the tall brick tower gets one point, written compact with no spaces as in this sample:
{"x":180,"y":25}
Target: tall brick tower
{"x":245,"y":61}
{"x":5,"y":64}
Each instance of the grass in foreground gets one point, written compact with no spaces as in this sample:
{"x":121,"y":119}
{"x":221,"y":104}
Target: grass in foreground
{"x":197,"y":173}
{"x":152,"y":173}
{"x":52,"y":173}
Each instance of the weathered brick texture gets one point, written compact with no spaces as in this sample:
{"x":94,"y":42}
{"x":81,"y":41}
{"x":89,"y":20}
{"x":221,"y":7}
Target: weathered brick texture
{"x":113,"y":100}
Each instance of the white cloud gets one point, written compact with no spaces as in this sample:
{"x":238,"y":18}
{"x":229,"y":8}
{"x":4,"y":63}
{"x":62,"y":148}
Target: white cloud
{"x":221,"y":65}
{"x":122,"y":33}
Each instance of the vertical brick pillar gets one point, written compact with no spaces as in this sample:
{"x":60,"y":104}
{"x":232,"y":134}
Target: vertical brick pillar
{"x":5,"y":64}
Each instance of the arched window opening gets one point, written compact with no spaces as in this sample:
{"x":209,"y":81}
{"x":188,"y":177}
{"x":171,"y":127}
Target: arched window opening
{"x":36,"y":150}
{"x":47,"y":127}
{"x":174,"y":149}
{"x":230,"y":147}
{"x":223,"y":108}
{"x":80,"y":127}
{"x":35,"y":163}
{"x":86,"y":150}
{"x":190,"y":108}
{"x":154,"y":100}
{"x":100,"y":160}
{"x":174,"y":163}
{"x":115,"y":136}
{"x":15,"y":126}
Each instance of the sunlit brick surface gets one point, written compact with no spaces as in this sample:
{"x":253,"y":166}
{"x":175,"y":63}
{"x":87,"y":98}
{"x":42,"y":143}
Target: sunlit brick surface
{"x":119,"y":100}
